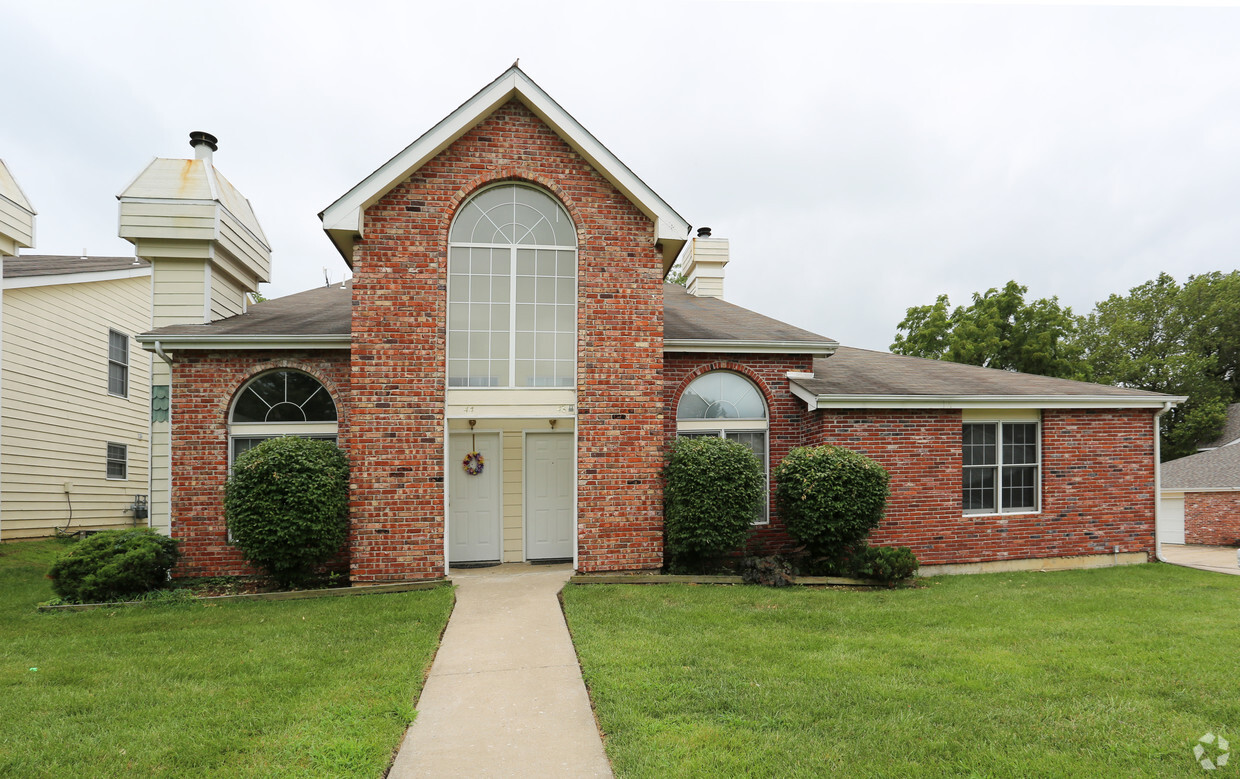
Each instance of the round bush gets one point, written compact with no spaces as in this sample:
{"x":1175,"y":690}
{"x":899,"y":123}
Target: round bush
{"x":287,"y":505}
{"x":714,"y":490}
{"x":113,"y":565}
{"x":829,"y":498}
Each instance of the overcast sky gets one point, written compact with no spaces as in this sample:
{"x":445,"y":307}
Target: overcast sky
{"x":861,"y":158}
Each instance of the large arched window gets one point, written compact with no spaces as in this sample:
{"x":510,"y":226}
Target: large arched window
{"x":512,"y":291}
{"x":726,"y":405}
{"x":279,"y":403}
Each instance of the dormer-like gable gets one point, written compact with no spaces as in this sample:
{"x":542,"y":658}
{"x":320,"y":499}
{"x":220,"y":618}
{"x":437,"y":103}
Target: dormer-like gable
{"x":344,"y":220}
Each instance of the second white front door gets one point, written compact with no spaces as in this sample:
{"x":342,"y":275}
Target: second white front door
{"x":474,"y":499}
{"x":549,"y":473}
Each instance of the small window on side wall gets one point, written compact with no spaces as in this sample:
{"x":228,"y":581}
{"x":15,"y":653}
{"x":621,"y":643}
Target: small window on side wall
{"x":1001,"y":464}
{"x":118,"y":461}
{"x":118,"y":364}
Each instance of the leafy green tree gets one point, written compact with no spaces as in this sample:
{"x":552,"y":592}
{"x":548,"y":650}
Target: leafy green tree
{"x":999,"y":329}
{"x":1166,"y":338}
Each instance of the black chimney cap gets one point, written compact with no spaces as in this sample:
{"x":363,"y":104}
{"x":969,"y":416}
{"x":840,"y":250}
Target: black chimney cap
{"x":703,"y":232}
{"x":199,"y":138}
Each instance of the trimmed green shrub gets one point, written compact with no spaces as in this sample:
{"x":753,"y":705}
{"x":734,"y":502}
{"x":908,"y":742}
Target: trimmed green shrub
{"x":888,"y":564}
{"x":714,"y":490}
{"x":287,"y":505}
{"x":113,"y":565}
{"x":829,"y":498}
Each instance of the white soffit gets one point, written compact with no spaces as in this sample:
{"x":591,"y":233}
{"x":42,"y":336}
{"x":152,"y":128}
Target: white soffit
{"x":342,"y":220}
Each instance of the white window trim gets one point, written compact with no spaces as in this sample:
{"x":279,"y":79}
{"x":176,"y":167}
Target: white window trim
{"x":107,"y":461}
{"x":112,"y":362}
{"x":999,"y":465}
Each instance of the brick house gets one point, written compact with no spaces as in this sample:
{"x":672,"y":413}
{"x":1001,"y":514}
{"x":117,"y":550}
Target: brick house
{"x":508,"y":300}
{"x":1200,"y":494}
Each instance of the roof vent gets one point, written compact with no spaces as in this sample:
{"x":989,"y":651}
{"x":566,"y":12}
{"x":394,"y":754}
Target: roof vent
{"x":703,"y":232}
{"x":203,"y":144}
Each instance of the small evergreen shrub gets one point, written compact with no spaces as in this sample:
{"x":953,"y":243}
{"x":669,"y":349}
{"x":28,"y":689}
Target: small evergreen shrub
{"x":829,"y":498}
{"x":113,"y":565}
{"x":771,"y":571}
{"x":287,"y":505}
{"x":715,"y":488}
{"x":888,"y":564}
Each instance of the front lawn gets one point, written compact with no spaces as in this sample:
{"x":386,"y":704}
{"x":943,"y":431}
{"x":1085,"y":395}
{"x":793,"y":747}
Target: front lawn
{"x":293,"y":688}
{"x":1112,"y":672}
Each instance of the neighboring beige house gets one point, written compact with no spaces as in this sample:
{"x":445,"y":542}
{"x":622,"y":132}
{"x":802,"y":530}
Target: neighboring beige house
{"x":84,"y":430}
{"x":76,"y":394}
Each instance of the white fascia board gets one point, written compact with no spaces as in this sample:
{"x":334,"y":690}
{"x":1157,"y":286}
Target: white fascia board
{"x":982,"y":401}
{"x":817,"y":349}
{"x":172,"y":343}
{"x":343,"y":219}
{"x":24,"y":282}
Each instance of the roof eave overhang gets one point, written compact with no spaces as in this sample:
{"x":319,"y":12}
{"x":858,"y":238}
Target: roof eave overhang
{"x":343,"y":219}
{"x":814,"y":348}
{"x":172,"y":343}
{"x":80,"y":277}
{"x":1164,"y":488}
{"x":816,"y":401}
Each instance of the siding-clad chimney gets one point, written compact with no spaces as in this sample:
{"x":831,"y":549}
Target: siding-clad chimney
{"x":704,"y":265}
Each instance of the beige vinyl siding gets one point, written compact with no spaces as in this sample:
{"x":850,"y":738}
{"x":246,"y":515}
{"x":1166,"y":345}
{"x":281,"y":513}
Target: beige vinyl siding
{"x":242,"y":244}
{"x":161,"y":477}
{"x":180,"y":292}
{"x":58,"y":417}
{"x":227,"y":296}
{"x":183,"y":221}
{"x":16,"y":224}
{"x":514,"y":468}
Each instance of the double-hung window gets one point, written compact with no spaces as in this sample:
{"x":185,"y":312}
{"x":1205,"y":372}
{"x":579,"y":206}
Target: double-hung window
{"x":1001,"y":467}
{"x":118,"y":364}
{"x":118,"y":461}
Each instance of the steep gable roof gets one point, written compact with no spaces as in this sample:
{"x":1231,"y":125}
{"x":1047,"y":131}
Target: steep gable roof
{"x":342,"y":220}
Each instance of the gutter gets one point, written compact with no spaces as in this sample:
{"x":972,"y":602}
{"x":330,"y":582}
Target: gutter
{"x":1158,"y":553}
{"x":159,"y":350}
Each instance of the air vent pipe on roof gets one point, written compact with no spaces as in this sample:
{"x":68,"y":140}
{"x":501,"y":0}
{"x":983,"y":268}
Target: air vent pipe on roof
{"x":203,"y":144}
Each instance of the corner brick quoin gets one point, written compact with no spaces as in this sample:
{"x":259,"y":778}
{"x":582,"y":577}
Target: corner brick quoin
{"x":1097,"y":465}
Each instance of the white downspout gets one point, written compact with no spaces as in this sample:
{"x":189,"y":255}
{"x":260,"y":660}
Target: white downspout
{"x":159,"y":349}
{"x":1158,"y":554}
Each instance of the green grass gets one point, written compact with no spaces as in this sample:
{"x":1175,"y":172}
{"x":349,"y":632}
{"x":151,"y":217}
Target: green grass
{"x":1112,"y":672}
{"x":294,"y":688}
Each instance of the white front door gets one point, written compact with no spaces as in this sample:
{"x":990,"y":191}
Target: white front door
{"x":474,"y":501}
{"x":549,"y":473}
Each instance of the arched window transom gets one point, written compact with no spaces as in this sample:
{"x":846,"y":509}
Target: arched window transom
{"x":278,"y":403}
{"x":512,"y":291}
{"x":726,"y":405}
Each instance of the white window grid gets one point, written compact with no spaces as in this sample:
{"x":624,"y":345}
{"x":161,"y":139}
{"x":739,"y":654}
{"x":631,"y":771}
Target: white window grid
{"x":1005,"y":463}
{"x":117,"y":458}
{"x":118,"y":364}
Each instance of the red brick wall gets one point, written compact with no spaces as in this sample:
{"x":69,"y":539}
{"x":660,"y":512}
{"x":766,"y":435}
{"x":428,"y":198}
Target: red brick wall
{"x":203,"y":387}
{"x":1097,"y":484}
{"x":1212,"y":518}
{"x":785,"y":412}
{"x":399,"y":338}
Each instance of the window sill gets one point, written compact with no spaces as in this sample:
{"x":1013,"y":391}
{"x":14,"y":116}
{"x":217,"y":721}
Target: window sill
{"x":982,"y":515}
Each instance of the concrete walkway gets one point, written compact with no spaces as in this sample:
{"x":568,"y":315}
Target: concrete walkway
{"x":505,"y":695}
{"x":1208,"y":558}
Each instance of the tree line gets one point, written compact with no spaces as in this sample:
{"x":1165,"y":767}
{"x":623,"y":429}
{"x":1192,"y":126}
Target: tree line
{"x":1181,"y":339}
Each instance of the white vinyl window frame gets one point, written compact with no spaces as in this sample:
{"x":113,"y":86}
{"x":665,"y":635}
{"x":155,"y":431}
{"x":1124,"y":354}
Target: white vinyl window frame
{"x":1001,"y":466}
{"x":516,"y":337}
{"x":259,"y":431}
{"x":116,"y":462}
{"x":725,"y":427}
{"x":118,"y":364}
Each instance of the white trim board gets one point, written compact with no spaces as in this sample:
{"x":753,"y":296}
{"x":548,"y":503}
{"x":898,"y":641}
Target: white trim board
{"x":815,"y":401}
{"x":86,"y":277}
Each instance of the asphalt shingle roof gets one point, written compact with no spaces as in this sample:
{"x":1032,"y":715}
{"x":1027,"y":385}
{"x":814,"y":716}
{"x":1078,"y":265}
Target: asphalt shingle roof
{"x":319,"y":311}
{"x":27,"y":265}
{"x":1231,"y":429}
{"x":1205,"y":470}
{"x":687,"y":317}
{"x":862,"y":372}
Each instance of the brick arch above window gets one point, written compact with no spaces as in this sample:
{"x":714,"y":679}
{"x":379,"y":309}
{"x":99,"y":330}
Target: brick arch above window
{"x":516,"y":175}
{"x":767,"y":396}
